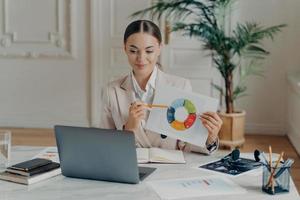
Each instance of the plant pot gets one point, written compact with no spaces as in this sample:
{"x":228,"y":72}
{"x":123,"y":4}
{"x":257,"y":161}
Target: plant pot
{"x":233,"y":129}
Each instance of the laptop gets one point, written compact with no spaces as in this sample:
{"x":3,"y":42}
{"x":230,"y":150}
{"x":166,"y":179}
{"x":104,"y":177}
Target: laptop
{"x":99,"y":154}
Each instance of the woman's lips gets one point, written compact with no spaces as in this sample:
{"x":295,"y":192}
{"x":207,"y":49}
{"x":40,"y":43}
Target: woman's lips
{"x":140,"y":65}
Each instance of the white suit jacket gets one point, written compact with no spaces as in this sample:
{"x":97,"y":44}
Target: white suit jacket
{"x":116,"y":99}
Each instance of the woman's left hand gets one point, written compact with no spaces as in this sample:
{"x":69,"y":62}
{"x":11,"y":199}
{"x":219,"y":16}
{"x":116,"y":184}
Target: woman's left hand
{"x":212,"y":122}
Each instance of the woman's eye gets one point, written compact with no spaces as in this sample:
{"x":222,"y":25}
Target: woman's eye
{"x":149,"y":52}
{"x":132,"y":51}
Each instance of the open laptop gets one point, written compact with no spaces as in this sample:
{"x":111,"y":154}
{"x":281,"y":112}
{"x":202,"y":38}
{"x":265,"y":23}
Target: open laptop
{"x":99,"y":154}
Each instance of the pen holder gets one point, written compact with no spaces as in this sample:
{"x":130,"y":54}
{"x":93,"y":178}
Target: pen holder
{"x":277,"y":181}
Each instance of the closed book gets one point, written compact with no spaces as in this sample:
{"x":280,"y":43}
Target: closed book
{"x":29,"y":180}
{"x":30,"y":164}
{"x":35,"y":171}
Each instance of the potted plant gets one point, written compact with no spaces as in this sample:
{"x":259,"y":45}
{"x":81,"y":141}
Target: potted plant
{"x":235,"y":53}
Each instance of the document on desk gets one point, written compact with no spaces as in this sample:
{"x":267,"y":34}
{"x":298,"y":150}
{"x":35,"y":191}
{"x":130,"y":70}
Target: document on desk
{"x":195,"y":187}
{"x":50,"y":153}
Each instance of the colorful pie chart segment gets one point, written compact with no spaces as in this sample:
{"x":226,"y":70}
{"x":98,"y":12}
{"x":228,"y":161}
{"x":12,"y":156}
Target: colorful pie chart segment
{"x":190,"y":119}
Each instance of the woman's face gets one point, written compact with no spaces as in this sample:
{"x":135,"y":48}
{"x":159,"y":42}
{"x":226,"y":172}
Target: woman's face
{"x":142,"y":50}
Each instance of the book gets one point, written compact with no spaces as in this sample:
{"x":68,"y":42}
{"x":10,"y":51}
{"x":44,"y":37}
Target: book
{"x":29,"y":165}
{"x":39,"y":170}
{"x":157,"y":155}
{"x":29,"y":180}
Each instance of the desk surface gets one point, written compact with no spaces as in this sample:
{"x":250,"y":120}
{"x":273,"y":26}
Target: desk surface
{"x":61,"y":187}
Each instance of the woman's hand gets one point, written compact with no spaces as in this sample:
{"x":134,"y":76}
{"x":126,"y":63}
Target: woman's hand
{"x":136,"y":114}
{"x":212,"y":122}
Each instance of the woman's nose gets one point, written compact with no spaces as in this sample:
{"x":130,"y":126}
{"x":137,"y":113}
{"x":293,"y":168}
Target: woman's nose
{"x":141,"y":57}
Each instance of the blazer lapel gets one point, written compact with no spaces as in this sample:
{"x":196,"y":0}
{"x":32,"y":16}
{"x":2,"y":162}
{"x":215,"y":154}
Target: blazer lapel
{"x":125,"y":97}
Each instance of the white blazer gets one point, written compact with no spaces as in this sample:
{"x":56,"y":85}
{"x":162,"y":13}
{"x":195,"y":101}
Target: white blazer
{"x":116,"y":99}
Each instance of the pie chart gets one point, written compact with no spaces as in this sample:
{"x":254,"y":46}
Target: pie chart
{"x":190,"y":109}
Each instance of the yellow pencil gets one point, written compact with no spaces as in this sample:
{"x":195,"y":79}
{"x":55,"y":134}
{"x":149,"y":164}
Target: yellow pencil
{"x":270,"y":163}
{"x":270,"y":156}
{"x":156,"y":106}
{"x":276,"y":165}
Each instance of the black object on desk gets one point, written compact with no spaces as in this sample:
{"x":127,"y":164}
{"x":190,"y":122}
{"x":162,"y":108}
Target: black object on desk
{"x":31,"y":164}
{"x":232,"y":164}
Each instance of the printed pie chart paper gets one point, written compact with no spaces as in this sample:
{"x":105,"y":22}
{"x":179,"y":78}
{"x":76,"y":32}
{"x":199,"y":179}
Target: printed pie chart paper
{"x":181,"y":119}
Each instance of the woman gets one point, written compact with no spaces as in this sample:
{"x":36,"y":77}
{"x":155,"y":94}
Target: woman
{"x":124,"y":99}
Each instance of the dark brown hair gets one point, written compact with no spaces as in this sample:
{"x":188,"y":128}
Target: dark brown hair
{"x":145,"y":26}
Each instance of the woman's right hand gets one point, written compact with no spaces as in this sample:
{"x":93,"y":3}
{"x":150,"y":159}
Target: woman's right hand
{"x":136,"y":115}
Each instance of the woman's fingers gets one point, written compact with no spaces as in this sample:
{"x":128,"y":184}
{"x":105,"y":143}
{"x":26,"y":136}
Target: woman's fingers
{"x":214,"y":115}
{"x":207,"y":127}
{"x":209,"y":118}
{"x":137,"y":103}
{"x":213,"y":118}
{"x":209,"y":124}
{"x":141,"y":116}
{"x":137,"y":110}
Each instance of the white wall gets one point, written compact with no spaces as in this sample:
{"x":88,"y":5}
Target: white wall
{"x":266,"y":103}
{"x":53,"y":85}
{"x":44,"y":70}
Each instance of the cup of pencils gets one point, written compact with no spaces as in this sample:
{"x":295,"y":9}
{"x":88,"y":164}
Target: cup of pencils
{"x":276,"y":174}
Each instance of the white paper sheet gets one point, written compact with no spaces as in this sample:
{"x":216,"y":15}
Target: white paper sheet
{"x":184,"y":104}
{"x":195,"y":187}
{"x":50,"y":153}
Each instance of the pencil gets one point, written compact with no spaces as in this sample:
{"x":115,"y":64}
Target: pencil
{"x":156,"y":106}
{"x":270,"y":156}
{"x":270,"y":163}
{"x":276,"y":165}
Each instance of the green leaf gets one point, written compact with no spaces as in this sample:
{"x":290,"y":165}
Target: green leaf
{"x":239,"y":92}
{"x":219,"y":88}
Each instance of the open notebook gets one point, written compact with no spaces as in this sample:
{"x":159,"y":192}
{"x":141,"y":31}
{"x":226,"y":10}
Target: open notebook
{"x":157,"y":155}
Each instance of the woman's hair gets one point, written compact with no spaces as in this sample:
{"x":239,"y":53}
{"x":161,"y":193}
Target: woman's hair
{"x":144,"y":26}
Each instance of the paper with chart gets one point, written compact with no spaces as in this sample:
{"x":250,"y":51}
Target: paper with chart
{"x":195,"y":187}
{"x":180,"y":120}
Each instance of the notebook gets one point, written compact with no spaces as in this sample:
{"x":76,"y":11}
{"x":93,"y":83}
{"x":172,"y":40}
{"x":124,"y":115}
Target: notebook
{"x":29,"y":180}
{"x":157,"y":155}
{"x":30,"y":165}
{"x":35,"y":171}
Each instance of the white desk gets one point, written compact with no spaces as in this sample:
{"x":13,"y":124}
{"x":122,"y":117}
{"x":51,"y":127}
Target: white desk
{"x":61,"y":187}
